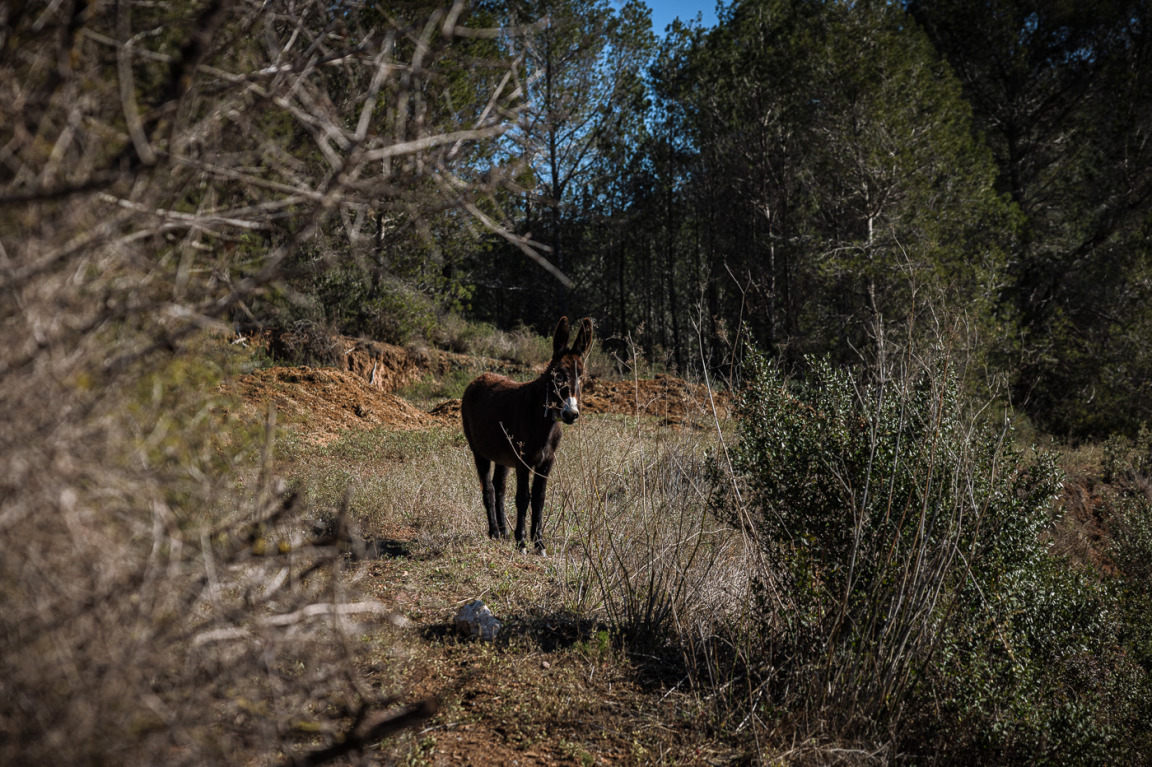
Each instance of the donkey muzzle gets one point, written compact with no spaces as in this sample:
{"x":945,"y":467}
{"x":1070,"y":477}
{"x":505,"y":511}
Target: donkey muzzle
{"x":571,"y":410}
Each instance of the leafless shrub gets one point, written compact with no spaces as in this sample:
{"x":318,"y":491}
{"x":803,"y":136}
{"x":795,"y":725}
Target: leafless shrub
{"x":162,"y":164}
{"x":654,"y":562}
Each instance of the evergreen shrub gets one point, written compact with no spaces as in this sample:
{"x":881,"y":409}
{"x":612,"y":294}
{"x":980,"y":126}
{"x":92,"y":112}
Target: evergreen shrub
{"x":907,"y":596}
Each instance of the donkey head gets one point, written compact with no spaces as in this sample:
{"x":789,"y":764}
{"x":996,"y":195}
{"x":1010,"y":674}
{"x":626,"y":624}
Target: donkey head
{"x":566,"y":370}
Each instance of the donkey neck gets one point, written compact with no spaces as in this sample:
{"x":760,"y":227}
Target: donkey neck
{"x":540,"y":388}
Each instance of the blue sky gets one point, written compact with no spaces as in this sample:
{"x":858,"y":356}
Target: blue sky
{"x":663,"y":11}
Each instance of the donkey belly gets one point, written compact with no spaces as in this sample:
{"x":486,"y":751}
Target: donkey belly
{"x":505,"y":445}
{"x":512,"y":451}
{"x":504,"y":425}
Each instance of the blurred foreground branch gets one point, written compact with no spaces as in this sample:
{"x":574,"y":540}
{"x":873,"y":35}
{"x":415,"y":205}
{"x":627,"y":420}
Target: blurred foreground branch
{"x":161,"y":166}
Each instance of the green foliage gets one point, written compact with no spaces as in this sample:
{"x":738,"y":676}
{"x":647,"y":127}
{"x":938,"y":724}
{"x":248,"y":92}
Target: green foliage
{"x":831,"y":178}
{"x":344,"y":299}
{"x":432,"y":390}
{"x":584,"y":74}
{"x":1130,"y":514}
{"x":390,"y":312}
{"x":1126,"y":459}
{"x":909,"y":593}
{"x":1044,"y":80}
{"x":521,"y":345}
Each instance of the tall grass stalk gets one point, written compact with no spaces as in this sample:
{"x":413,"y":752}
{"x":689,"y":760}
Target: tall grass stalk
{"x":645,"y":552}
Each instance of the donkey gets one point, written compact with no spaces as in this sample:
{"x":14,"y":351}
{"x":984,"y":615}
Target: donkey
{"x":517,"y":426}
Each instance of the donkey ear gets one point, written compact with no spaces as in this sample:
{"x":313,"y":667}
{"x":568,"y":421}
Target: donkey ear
{"x":560,"y":337}
{"x":583,"y":338}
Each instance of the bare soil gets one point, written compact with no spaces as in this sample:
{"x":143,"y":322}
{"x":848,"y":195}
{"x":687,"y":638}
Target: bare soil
{"x":673,"y":401}
{"x":327,"y":401}
{"x":547,"y":691}
{"x":362,"y":395}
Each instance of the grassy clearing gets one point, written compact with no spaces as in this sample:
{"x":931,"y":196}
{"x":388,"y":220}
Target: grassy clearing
{"x":587,"y":666}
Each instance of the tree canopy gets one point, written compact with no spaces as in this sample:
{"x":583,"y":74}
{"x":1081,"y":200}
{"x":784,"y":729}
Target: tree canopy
{"x":852,"y":179}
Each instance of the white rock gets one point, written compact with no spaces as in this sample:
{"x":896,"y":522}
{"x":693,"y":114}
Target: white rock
{"x":475,"y":619}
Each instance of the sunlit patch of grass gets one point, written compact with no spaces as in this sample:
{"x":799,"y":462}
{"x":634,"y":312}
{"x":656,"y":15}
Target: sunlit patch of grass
{"x":384,"y":444}
{"x":642,"y":550}
{"x":421,"y":480}
{"x":625,"y":519}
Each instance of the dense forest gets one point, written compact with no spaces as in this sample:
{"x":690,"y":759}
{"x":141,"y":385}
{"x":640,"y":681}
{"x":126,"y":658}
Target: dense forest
{"x":910,"y":239}
{"x":844,"y":179}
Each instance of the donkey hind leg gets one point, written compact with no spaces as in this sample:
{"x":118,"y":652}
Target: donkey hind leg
{"x":488,"y":493}
{"x":499,"y":475}
{"x":539,"y":485}
{"x":523,"y":476}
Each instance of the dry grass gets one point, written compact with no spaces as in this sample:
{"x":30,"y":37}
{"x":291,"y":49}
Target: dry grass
{"x":626,"y":511}
{"x":590,"y":663}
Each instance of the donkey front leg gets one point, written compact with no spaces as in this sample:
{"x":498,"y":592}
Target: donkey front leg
{"x":523,"y":477}
{"x":499,"y":475}
{"x":488,"y":493}
{"x":539,"y":485}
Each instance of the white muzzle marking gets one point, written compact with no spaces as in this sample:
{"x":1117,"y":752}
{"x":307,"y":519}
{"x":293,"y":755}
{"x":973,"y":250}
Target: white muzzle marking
{"x":571,"y":410}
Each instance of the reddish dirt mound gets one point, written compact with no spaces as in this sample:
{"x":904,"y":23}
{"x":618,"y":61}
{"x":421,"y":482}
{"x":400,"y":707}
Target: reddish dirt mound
{"x":673,"y":400}
{"x":389,"y":367}
{"x":384,"y":366}
{"x":449,"y":410}
{"x":1082,"y":534}
{"x":329,"y":400}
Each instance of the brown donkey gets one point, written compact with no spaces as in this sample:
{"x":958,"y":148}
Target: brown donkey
{"x":517,"y":426}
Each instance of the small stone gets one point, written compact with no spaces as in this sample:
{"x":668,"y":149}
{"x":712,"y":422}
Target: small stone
{"x":475,"y":619}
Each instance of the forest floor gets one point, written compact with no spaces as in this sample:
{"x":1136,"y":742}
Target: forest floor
{"x":553,"y":688}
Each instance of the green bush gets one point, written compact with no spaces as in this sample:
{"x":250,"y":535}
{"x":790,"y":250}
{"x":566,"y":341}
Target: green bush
{"x":907,"y":595}
{"x":387,"y":311}
{"x":521,"y":345}
{"x":1131,"y":551}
